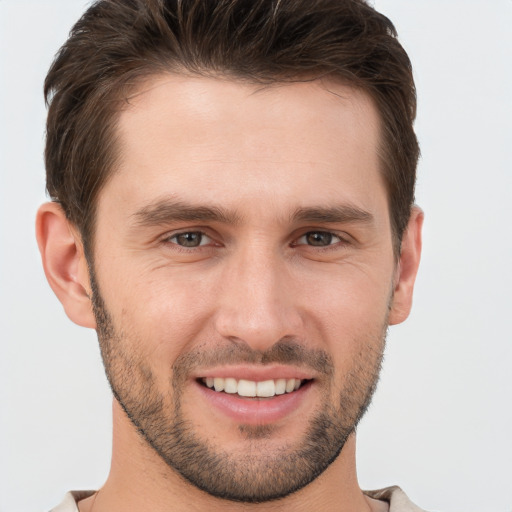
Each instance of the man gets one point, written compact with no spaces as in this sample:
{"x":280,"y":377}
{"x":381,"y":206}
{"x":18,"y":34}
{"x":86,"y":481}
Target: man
{"x":232,"y":190}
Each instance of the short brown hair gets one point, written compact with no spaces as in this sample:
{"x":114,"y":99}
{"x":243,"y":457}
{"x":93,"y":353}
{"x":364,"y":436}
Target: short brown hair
{"x":118,"y":42}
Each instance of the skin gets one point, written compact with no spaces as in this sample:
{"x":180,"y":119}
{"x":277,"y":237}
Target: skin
{"x":259,"y":155}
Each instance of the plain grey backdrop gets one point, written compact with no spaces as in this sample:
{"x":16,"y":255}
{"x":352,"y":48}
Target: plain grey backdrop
{"x":441,"y":422}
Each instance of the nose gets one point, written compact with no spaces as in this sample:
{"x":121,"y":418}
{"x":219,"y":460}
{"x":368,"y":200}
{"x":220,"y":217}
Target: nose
{"x":258,"y":301}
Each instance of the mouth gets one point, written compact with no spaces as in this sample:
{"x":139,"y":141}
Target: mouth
{"x":252,"y":395}
{"x":253,"y":389}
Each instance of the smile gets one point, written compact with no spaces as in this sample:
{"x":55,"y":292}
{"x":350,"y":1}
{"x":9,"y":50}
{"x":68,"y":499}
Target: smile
{"x":250,"y":388}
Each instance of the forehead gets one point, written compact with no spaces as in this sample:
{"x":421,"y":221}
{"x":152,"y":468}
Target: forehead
{"x":216,"y":140}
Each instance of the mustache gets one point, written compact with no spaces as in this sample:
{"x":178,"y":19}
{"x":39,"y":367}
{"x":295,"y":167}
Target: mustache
{"x":285,"y":351}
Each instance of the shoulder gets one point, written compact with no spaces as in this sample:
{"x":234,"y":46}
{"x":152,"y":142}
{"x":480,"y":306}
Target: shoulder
{"x":69,"y":503}
{"x":397,"y":499}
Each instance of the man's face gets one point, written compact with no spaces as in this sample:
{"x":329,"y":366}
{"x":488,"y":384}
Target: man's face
{"x":243,"y":247}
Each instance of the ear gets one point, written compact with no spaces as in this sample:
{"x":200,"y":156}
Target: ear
{"x":64,"y":263}
{"x":407,"y":268}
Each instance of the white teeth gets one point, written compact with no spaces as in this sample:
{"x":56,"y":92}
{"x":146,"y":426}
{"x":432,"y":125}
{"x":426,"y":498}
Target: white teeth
{"x":230,"y":386}
{"x":218,"y":384}
{"x":266,"y":388}
{"x":281,"y":386}
{"x":290,"y":385}
{"x":246,"y":387}
{"x":250,"y":388}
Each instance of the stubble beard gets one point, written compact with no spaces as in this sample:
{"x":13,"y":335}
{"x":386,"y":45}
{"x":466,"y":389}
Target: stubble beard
{"x":253,"y":476}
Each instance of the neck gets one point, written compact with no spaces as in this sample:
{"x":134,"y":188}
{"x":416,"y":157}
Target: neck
{"x":140,"y":480}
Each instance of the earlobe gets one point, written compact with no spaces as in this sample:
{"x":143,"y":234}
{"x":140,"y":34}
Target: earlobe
{"x":64,"y":263}
{"x":407,"y":268}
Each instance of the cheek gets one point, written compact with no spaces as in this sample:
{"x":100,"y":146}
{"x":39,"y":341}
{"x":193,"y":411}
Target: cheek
{"x":162,"y":313}
{"x":349,"y":310}
{"x":350,"y":289}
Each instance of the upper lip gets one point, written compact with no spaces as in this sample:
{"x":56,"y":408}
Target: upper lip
{"x":256,"y":373}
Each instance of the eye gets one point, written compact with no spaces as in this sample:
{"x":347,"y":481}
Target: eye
{"x":190,"y":239}
{"x":318,"y":239}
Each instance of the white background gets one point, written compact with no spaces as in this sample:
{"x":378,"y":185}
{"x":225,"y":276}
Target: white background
{"x":441,"y":422}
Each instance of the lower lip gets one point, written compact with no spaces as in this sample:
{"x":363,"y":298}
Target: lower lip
{"x":255,"y":411}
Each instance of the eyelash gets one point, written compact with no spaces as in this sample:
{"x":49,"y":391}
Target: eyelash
{"x":202,"y":234}
{"x":330,"y":246}
{"x":319,"y":232}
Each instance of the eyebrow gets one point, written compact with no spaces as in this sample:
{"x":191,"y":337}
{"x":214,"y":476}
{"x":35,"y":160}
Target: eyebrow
{"x":167,"y":210}
{"x":333,"y":214}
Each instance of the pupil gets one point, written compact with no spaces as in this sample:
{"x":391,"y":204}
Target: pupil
{"x":319,"y":238}
{"x":189,"y":239}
